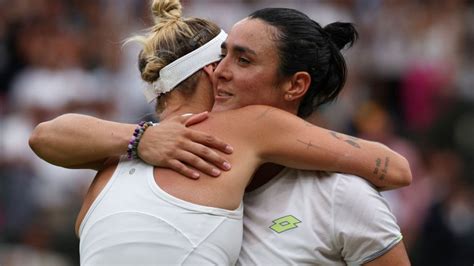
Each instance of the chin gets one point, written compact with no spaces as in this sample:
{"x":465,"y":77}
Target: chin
{"x":219,"y":108}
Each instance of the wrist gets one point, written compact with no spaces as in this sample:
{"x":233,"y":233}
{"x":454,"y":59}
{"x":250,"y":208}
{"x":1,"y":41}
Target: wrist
{"x":132,"y":147}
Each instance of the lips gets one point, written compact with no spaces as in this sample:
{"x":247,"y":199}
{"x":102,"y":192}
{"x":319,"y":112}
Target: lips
{"x":222,"y":100}
{"x":223,"y":94}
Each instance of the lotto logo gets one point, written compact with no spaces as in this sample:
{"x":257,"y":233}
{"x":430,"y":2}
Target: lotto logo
{"x":285,"y":223}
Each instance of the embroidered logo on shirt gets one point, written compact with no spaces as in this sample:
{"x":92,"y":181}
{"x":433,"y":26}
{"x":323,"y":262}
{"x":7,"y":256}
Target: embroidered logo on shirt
{"x":284,"y":223}
{"x":132,"y":171}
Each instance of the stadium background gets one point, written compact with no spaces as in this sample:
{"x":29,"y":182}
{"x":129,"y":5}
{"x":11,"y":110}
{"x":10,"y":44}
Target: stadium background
{"x":410,"y":86}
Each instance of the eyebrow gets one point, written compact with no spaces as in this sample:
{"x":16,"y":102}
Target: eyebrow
{"x":239,"y":48}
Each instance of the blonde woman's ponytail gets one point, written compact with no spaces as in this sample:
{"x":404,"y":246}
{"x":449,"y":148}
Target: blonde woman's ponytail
{"x":166,"y":10}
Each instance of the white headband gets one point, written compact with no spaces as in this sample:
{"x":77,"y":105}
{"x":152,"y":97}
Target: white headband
{"x":183,"y":67}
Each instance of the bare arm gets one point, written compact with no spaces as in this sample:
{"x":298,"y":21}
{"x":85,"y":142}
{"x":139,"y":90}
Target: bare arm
{"x":79,"y":141}
{"x":293,"y":142}
{"x":397,"y":256}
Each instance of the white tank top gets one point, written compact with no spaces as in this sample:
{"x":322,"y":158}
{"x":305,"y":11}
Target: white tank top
{"x":134,"y":222}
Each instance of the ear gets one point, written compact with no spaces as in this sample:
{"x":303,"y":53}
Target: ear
{"x":299,"y":85}
{"x":209,"y":69}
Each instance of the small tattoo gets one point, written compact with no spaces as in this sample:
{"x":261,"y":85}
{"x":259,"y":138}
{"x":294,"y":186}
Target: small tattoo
{"x":352,"y":143}
{"x":308,"y":145}
{"x":385,"y":169}
{"x":353,"y":138}
{"x":377,"y":166}
{"x":334,"y":134}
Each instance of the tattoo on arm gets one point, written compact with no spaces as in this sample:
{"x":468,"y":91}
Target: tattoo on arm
{"x":378,"y":164}
{"x":351,"y":140}
{"x":308,"y":144}
{"x":334,"y":134}
{"x":352,"y":143}
{"x":378,"y":161}
{"x":385,"y":169}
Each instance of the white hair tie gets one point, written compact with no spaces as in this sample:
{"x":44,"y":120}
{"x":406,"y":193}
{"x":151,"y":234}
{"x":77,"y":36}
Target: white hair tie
{"x":183,"y":67}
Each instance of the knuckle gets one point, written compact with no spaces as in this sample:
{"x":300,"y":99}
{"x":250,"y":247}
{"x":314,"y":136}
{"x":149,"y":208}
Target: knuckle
{"x":177,"y":165}
{"x":210,"y":139}
{"x":168,"y":154}
{"x":180,"y":142}
{"x":205,"y":151}
{"x":208,"y":169}
{"x":187,"y":133}
{"x":195,"y":160}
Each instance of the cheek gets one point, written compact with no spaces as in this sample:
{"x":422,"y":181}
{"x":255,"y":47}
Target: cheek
{"x":255,"y":86}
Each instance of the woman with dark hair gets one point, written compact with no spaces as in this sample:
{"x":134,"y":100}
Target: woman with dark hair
{"x":268,"y":56}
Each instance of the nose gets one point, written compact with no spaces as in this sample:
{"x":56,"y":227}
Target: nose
{"x":223,"y":72}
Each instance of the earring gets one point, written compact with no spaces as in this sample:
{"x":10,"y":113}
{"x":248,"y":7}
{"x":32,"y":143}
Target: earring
{"x":289,"y":97}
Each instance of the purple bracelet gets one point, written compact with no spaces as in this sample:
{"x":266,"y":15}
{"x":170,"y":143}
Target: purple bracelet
{"x":132,"y":149}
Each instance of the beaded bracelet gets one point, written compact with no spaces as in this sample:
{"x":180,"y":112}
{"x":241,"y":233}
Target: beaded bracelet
{"x":132,"y":149}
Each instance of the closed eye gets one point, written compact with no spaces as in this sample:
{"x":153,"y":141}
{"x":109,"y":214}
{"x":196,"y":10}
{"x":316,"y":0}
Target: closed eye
{"x":243,"y":60}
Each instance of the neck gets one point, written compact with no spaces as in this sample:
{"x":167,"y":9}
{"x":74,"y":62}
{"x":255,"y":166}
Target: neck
{"x":201,"y":100}
{"x":178,"y":104}
{"x":181,"y":109}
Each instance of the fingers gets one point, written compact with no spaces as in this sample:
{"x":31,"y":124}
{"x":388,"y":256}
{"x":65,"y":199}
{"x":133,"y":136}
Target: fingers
{"x":187,"y":151}
{"x":197,"y":118}
{"x":183,"y":169}
{"x":205,"y":159}
{"x":188,"y":160}
{"x":191,"y":119}
{"x":210,"y":141}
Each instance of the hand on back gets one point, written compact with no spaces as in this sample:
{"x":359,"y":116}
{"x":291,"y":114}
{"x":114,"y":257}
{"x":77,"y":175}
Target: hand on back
{"x":173,"y":145}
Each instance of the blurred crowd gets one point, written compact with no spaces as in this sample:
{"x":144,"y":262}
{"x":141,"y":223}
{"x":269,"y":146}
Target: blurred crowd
{"x":410,"y":86}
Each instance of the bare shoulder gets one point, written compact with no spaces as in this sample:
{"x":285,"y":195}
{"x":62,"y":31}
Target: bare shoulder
{"x":255,"y":114}
{"x":262,"y":111}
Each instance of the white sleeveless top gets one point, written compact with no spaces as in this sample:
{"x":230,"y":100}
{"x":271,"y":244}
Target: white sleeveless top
{"x":134,"y":222}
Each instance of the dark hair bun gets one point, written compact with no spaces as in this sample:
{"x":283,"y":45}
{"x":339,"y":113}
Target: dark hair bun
{"x":342,"y":34}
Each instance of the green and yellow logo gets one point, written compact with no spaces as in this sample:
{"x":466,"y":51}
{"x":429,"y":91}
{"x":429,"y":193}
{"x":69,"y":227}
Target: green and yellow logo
{"x":285,"y":223}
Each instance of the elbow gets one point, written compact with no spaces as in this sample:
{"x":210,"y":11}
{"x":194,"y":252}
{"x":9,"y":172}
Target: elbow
{"x":41,"y":140}
{"x":405,"y":177}
{"x":43,"y":134}
{"x":401,"y":176}
{"x":41,"y":144}
{"x":37,"y":137}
